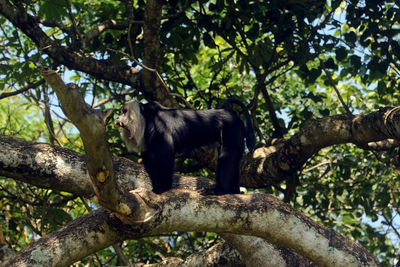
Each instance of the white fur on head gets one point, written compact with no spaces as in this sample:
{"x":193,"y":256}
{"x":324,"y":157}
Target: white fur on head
{"x":132,"y":125}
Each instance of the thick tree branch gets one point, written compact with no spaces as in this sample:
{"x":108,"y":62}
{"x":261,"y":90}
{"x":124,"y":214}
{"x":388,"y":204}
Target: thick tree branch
{"x":221,"y":255}
{"x":180,"y":210}
{"x":91,"y":125}
{"x":271,"y":165}
{"x":100,"y":229}
{"x":259,"y":215}
{"x":82,"y":237}
{"x":152,"y":85}
{"x":61,"y":169}
{"x":44,"y":165}
{"x":253,"y":251}
{"x":72,"y":59}
{"x":383,"y":145}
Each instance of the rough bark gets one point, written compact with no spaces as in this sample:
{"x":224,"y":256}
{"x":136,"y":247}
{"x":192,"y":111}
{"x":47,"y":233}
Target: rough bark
{"x":273,"y":164}
{"x":152,"y":85}
{"x":91,"y":126}
{"x":259,"y":215}
{"x":221,"y":255}
{"x":81,"y":237}
{"x":61,"y":169}
{"x":182,"y":210}
{"x":254,"y":251}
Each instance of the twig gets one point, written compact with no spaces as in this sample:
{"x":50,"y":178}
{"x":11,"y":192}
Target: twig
{"x":140,"y":64}
{"x":183,"y":99}
{"x":23,"y":89}
{"x":130,"y":16}
{"x":332,"y":82}
{"x":316,"y":166}
{"x":47,"y":118}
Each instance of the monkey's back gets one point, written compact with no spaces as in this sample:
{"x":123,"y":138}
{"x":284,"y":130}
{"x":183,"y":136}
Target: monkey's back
{"x":188,"y":129}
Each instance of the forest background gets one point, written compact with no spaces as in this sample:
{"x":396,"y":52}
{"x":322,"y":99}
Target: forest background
{"x":320,"y":78}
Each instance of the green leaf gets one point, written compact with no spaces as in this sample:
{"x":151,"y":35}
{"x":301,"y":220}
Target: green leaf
{"x":56,"y":217}
{"x":314,"y":74}
{"x":208,"y":40}
{"x":381,"y":87}
{"x":53,"y":10}
{"x":350,"y":37}
{"x":355,"y":61}
{"x":330,"y":63}
{"x":341,"y":53}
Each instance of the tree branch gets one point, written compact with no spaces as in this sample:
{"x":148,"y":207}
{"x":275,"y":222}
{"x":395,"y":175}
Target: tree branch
{"x":273,"y":164}
{"x":152,"y":85}
{"x":101,"y":69}
{"x":91,"y":125}
{"x":82,"y":237}
{"x":44,"y":166}
{"x":221,"y":254}
{"x":339,"y":96}
{"x":106,"y":25}
{"x":179,"y":210}
{"x":257,"y":214}
{"x":22,"y":89}
{"x":49,"y":166}
{"x":254,"y":249}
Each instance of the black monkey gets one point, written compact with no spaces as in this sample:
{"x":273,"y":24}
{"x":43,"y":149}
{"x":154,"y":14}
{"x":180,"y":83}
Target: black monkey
{"x":159,"y":133}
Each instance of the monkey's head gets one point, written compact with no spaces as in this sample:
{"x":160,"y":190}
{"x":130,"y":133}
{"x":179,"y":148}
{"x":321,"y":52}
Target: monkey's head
{"x":132,"y":126}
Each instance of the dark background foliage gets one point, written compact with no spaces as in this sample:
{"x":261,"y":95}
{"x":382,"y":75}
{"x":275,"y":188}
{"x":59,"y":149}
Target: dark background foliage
{"x":289,"y":61}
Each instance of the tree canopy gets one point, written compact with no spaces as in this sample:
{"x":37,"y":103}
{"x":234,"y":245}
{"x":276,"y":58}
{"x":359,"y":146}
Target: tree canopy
{"x":321,"y":80}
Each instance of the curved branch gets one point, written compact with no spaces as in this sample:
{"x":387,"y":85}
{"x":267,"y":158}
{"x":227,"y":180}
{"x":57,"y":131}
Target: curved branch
{"x":83,"y":236}
{"x":258,"y":215}
{"x":254,"y":250}
{"x":49,"y":166}
{"x":22,"y":89}
{"x":273,"y":164}
{"x":72,"y":59}
{"x":221,"y":254}
{"x":91,"y":125}
{"x":180,"y":210}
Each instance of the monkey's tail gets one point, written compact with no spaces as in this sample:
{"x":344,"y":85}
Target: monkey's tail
{"x":250,"y":136}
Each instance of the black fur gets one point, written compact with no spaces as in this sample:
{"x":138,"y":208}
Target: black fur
{"x":170,"y":131}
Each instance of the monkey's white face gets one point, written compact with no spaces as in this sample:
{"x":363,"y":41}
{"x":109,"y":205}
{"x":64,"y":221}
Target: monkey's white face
{"x":132,"y":126}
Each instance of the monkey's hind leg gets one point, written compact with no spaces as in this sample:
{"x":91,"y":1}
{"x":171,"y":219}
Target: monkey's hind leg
{"x":228,"y":172}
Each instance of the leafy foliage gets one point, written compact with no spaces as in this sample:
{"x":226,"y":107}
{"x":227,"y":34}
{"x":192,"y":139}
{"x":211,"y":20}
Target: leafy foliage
{"x":289,"y":61}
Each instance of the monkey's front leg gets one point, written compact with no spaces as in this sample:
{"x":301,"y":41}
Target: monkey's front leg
{"x":160,"y":167}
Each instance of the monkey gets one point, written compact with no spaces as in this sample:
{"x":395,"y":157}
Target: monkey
{"x":158,"y":133}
